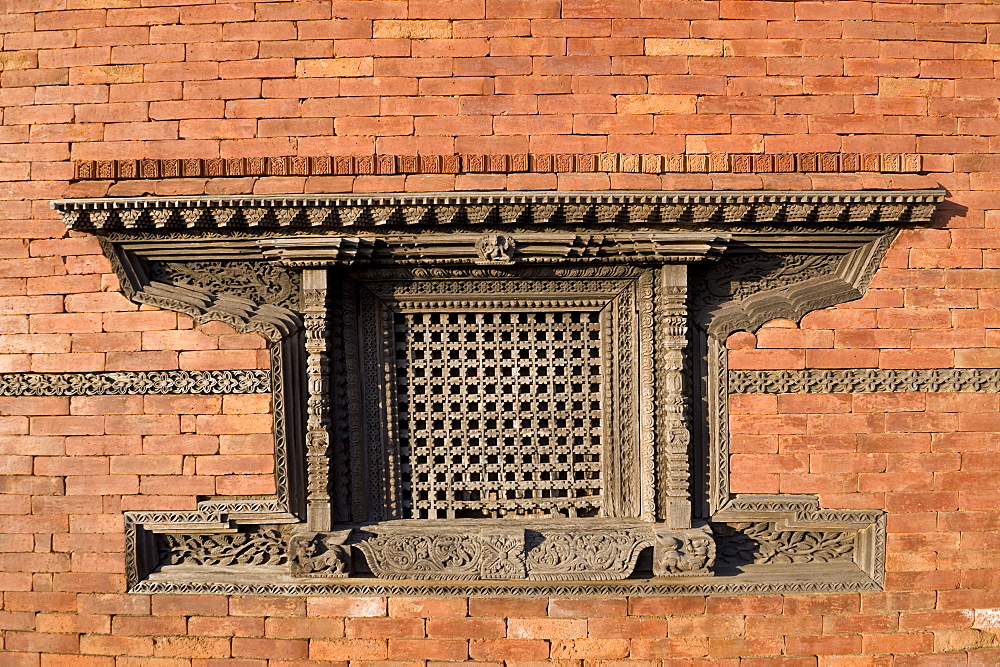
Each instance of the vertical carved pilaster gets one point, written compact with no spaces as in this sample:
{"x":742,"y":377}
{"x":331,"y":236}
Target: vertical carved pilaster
{"x":673,"y":435}
{"x":314,"y":306}
{"x":647,"y":396}
{"x":718,"y":424}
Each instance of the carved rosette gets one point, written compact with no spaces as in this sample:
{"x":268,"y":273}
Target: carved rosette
{"x":503,"y":554}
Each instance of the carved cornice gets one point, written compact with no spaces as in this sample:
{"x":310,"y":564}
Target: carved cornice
{"x":498,"y":163}
{"x":119,"y":383}
{"x":865,"y":380}
{"x":497,"y":209}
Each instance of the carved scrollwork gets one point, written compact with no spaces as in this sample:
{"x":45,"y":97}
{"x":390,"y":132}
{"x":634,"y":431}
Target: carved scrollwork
{"x":762,"y":542}
{"x":741,"y":276}
{"x":598,"y":554}
{"x":258,"y":281}
{"x":423,"y":556}
{"x":255,"y":547}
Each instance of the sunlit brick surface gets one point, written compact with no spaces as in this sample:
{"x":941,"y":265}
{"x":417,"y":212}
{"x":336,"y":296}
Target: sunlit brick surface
{"x":128,"y":80}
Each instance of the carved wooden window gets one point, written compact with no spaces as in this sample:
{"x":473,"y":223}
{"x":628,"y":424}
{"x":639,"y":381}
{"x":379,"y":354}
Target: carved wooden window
{"x":490,"y":396}
{"x":503,"y":398}
{"x":534,"y":398}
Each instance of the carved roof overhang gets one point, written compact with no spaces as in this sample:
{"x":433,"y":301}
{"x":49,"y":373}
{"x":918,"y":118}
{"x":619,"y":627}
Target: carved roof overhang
{"x":835,"y":238}
{"x":617,"y":226}
{"x":504,"y":209}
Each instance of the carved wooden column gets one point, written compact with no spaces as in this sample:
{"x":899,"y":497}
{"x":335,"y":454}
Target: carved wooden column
{"x":673,"y":433}
{"x":314,"y":310}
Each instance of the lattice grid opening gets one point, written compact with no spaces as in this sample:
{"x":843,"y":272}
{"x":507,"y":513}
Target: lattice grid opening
{"x":499,"y":413}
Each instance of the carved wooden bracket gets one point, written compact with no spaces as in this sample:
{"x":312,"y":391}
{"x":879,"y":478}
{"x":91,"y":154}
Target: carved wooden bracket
{"x":604,"y":314}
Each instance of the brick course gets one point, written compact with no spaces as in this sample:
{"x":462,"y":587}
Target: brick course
{"x":193,"y":97}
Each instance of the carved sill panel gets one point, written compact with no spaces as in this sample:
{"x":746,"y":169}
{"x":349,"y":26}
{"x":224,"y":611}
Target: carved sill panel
{"x":575,"y":341}
{"x":574,"y":552}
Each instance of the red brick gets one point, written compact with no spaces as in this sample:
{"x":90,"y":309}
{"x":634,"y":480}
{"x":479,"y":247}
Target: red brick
{"x":428,"y":649}
{"x":627,"y":628}
{"x":814,"y":403}
{"x":743,"y":647}
{"x":546,"y":628}
{"x":296,"y":628}
{"x":39,"y":641}
{"x":767,"y":359}
{"x":384,"y":628}
{"x":847,"y":645}
{"x":766,"y":626}
{"x":714,"y":626}
{"x":348,"y":649}
{"x":501,"y":607}
{"x":266,"y":648}
{"x":508,"y":649}
{"x":189,"y":605}
{"x":574,"y":608}
{"x":145,"y":626}
{"x":680,"y":648}
{"x":325,"y":607}
{"x":844,"y":358}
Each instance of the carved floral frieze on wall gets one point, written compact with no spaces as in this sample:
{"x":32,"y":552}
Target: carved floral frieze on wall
{"x":495,"y":393}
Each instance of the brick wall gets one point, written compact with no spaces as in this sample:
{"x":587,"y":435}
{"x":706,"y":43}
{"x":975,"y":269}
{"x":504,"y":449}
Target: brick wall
{"x":172,"y":79}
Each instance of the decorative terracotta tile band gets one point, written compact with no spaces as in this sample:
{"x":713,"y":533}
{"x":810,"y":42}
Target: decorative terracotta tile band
{"x":499,"y":163}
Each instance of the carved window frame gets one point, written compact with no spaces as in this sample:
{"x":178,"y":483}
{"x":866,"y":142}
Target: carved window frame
{"x":610,"y":299}
{"x":782,"y":255}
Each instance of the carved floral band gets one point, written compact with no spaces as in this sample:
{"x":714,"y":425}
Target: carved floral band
{"x":813,"y":381}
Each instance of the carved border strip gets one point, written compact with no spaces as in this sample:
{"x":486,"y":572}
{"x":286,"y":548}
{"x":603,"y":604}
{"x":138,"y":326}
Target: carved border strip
{"x":122,"y":383}
{"x":666,"y":587}
{"x":864,"y":380}
{"x":499,"y":163}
